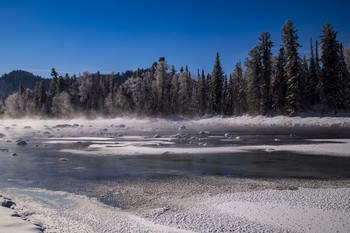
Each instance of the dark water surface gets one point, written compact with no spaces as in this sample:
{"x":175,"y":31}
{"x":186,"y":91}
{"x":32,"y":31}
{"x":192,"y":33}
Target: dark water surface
{"x":41,"y":167}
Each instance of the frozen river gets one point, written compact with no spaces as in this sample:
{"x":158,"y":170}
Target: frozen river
{"x":50,"y":162}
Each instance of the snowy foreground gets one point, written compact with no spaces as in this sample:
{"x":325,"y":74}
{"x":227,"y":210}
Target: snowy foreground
{"x":270,"y":209}
{"x":178,"y":204}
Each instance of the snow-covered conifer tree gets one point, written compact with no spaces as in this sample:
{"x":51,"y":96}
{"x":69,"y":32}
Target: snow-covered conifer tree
{"x":217,"y":79}
{"x":330,"y":71}
{"x":291,"y":67}
{"x":265,"y":46}
{"x":279,"y":85}
{"x":253,"y":76}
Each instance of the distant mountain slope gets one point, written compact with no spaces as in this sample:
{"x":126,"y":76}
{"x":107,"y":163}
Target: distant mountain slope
{"x":9,"y":82}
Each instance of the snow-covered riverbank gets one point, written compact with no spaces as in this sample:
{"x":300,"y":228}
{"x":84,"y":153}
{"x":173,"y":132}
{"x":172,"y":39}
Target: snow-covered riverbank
{"x":246,"y":120}
{"x":11,"y":222}
{"x":193,"y":205}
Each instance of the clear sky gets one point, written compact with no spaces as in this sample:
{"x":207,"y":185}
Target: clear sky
{"x":76,"y":36}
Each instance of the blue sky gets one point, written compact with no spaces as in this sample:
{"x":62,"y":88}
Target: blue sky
{"x":77,"y":36}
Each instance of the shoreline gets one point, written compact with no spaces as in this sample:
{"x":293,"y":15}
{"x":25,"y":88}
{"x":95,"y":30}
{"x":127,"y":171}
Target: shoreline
{"x":192,"y":204}
{"x":243,"y":121}
{"x":11,"y":221}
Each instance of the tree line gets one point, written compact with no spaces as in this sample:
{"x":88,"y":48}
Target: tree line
{"x":265,"y":84}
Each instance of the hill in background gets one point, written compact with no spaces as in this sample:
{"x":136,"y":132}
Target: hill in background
{"x":9,"y":82}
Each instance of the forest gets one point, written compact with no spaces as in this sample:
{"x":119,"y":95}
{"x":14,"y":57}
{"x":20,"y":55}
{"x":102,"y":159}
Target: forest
{"x":265,"y":84}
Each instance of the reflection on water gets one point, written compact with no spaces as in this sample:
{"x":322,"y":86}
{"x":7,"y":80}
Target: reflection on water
{"x":44,"y":167}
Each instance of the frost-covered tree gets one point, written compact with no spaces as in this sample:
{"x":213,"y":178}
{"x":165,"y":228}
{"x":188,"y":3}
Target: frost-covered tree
{"x":185,"y":92}
{"x":153,"y":93}
{"x":40,"y":97}
{"x":174,"y":92}
{"x":161,"y":86}
{"x":12,"y":106}
{"x":85,"y":91}
{"x":109,"y":100}
{"x":291,"y":67}
{"x":147,"y":80}
{"x":61,"y":105}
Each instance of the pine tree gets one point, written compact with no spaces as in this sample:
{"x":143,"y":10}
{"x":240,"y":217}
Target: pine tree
{"x":226,"y":98}
{"x":291,"y":67}
{"x":321,"y":100}
{"x":202,"y":94}
{"x":173,"y":71}
{"x":20,"y":88}
{"x":347,"y":58}
{"x":265,"y":46}
{"x":231,"y":91}
{"x":74,"y":93}
{"x":39,"y":97}
{"x":174,"y":93}
{"x":344,"y":79}
{"x":253,"y":76}
{"x":311,"y":84}
{"x":161,"y":86}
{"x":330,"y":72}
{"x":138,"y":73}
{"x":217,"y":80}
{"x":185,"y":93}
{"x":279,"y":85}
{"x":153,"y":94}
{"x":238,"y":89}
{"x":303,"y":79}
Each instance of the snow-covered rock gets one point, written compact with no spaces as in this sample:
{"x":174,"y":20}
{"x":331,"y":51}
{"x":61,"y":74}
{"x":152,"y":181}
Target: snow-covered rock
{"x":21,"y":143}
{"x":182,"y":127}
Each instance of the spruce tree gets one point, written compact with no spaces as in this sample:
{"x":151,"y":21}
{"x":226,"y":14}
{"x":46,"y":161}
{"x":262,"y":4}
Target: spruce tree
{"x":238,"y":89}
{"x":253,"y":76}
{"x":152,"y":95}
{"x":161,"y":86}
{"x":347,"y":58}
{"x":330,"y":71}
{"x":202,"y":94}
{"x":217,"y":80}
{"x":40,"y":97}
{"x":265,"y":46}
{"x":174,"y":93}
{"x":345,"y":80}
{"x":231,"y":95}
{"x":279,"y":85}
{"x":321,"y":100}
{"x":20,"y":88}
{"x":311,"y":84}
{"x":291,"y":67}
{"x":185,"y":93}
{"x":303,"y":80}
{"x":226,"y":98}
